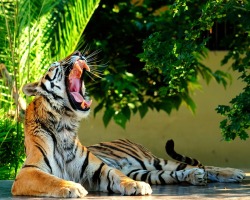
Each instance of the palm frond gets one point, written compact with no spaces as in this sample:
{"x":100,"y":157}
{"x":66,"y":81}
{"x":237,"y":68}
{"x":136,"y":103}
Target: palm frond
{"x":54,"y":33}
{"x":68,"y":27}
{"x":33,"y":34}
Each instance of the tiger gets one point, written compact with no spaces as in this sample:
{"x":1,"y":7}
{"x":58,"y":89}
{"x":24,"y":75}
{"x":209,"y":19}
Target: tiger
{"x":58,"y":165}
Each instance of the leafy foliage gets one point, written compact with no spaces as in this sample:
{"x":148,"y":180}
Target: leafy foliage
{"x":11,"y":147}
{"x":237,"y":114}
{"x":153,"y":55}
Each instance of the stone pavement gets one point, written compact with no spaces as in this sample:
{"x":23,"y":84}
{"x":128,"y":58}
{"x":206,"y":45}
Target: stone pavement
{"x":211,"y":191}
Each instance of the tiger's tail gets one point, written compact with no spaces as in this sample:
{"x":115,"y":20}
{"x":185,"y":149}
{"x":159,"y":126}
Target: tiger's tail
{"x":169,"y":147}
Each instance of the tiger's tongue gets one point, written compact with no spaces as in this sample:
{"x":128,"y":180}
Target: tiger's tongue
{"x":74,"y":88}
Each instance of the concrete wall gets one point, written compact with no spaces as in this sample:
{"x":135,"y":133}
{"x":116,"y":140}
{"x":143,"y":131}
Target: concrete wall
{"x":196,"y":135}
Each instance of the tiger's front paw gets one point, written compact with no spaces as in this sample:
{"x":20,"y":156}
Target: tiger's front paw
{"x":71,"y":190}
{"x":196,"y":176}
{"x":135,"y":188}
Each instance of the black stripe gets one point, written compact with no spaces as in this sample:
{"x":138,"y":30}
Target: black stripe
{"x":33,"y":166}
{"x":57,"y":87}
{"x":107,"y":152}
{"x":165,"y":162}
{"x":60,"y":127}
{"x":149,"y":179}
{"x":55,"y":74}
{"x":73,"y":156}
{"x":163,"y":182}
{"x":135,"y":170}
{"x":175,"y":177}
{"x":97,"y":174}
{"x":157,"y":164}
{"x":146,"y":153}
{"x":181,"y":166}
{"x":47,"y":77}
{"x":144,"y":176}
{"x":109,"y":183}
{"x":134,"y":148}
{"x":60,"y":76}
{"x":135,"y":175}
{"x":56,"y":97}
{"x":52,"y":118}
{"x":48,"y":131}
{"x":128,"y":147}
{"x":119,"y":149}
{"x":70,"y":159}
{"x":44,"y":88}
{"x":44,"y":156}
{"x":68,"y":128}
{"x":85,"y":164}
{"x":67,"y":109}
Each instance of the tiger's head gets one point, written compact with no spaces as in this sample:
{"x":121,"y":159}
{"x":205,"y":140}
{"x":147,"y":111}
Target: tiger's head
{"x":63,"y":86}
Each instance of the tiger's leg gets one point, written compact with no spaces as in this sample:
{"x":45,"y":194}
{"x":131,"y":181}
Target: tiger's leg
{"x":193,"y":176}
{"x":219,"y":174}
{"x":107,"y":179}
{"x":32,"y":181}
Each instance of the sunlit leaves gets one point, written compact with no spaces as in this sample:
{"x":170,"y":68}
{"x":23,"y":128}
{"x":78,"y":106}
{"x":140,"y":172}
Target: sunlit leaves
{"x":108,"y":114}
{"x":237,"y":120}
{"x":69,"y":24}
{"x":11,"y":146}
{"x":32,"y":35}
{"x":143,"y":109}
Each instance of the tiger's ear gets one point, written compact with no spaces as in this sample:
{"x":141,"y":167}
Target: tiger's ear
{"x":30,"y":89}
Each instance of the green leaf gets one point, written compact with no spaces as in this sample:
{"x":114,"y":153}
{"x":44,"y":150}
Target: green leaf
{"x":167,"y":107}
{"x":120,"y":119}
{"x":108,"y":114}
{"x":126,"y":112}
{"x":189,"y":101}
{"x":98,"y":108}
{"x":222,"y":77}
{"x":143,"y":109}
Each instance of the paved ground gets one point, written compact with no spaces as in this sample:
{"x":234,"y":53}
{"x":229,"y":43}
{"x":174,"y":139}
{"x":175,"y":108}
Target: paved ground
{"x":210,"y":192}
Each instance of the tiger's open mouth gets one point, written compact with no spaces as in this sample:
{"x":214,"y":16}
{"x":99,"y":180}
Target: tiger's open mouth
{"x":75,"y":85}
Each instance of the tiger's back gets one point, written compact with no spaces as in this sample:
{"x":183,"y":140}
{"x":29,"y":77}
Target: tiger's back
{"x":139,"y":163}
{"x":126,"y":155}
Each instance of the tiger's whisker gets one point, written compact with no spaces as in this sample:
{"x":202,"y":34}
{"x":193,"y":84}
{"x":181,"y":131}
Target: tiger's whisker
{"x":93,"y":54}
{"x":91,"y":76}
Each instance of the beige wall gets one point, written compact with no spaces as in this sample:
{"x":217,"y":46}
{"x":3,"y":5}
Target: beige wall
{"x":196,"y":135}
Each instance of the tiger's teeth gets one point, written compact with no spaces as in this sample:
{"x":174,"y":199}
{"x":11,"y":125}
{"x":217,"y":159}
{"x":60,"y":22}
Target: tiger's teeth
{"x":86,"y":104}
{"x":78,"y":67}
{"x":76,"y":72}
{"x":83,"y":65}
